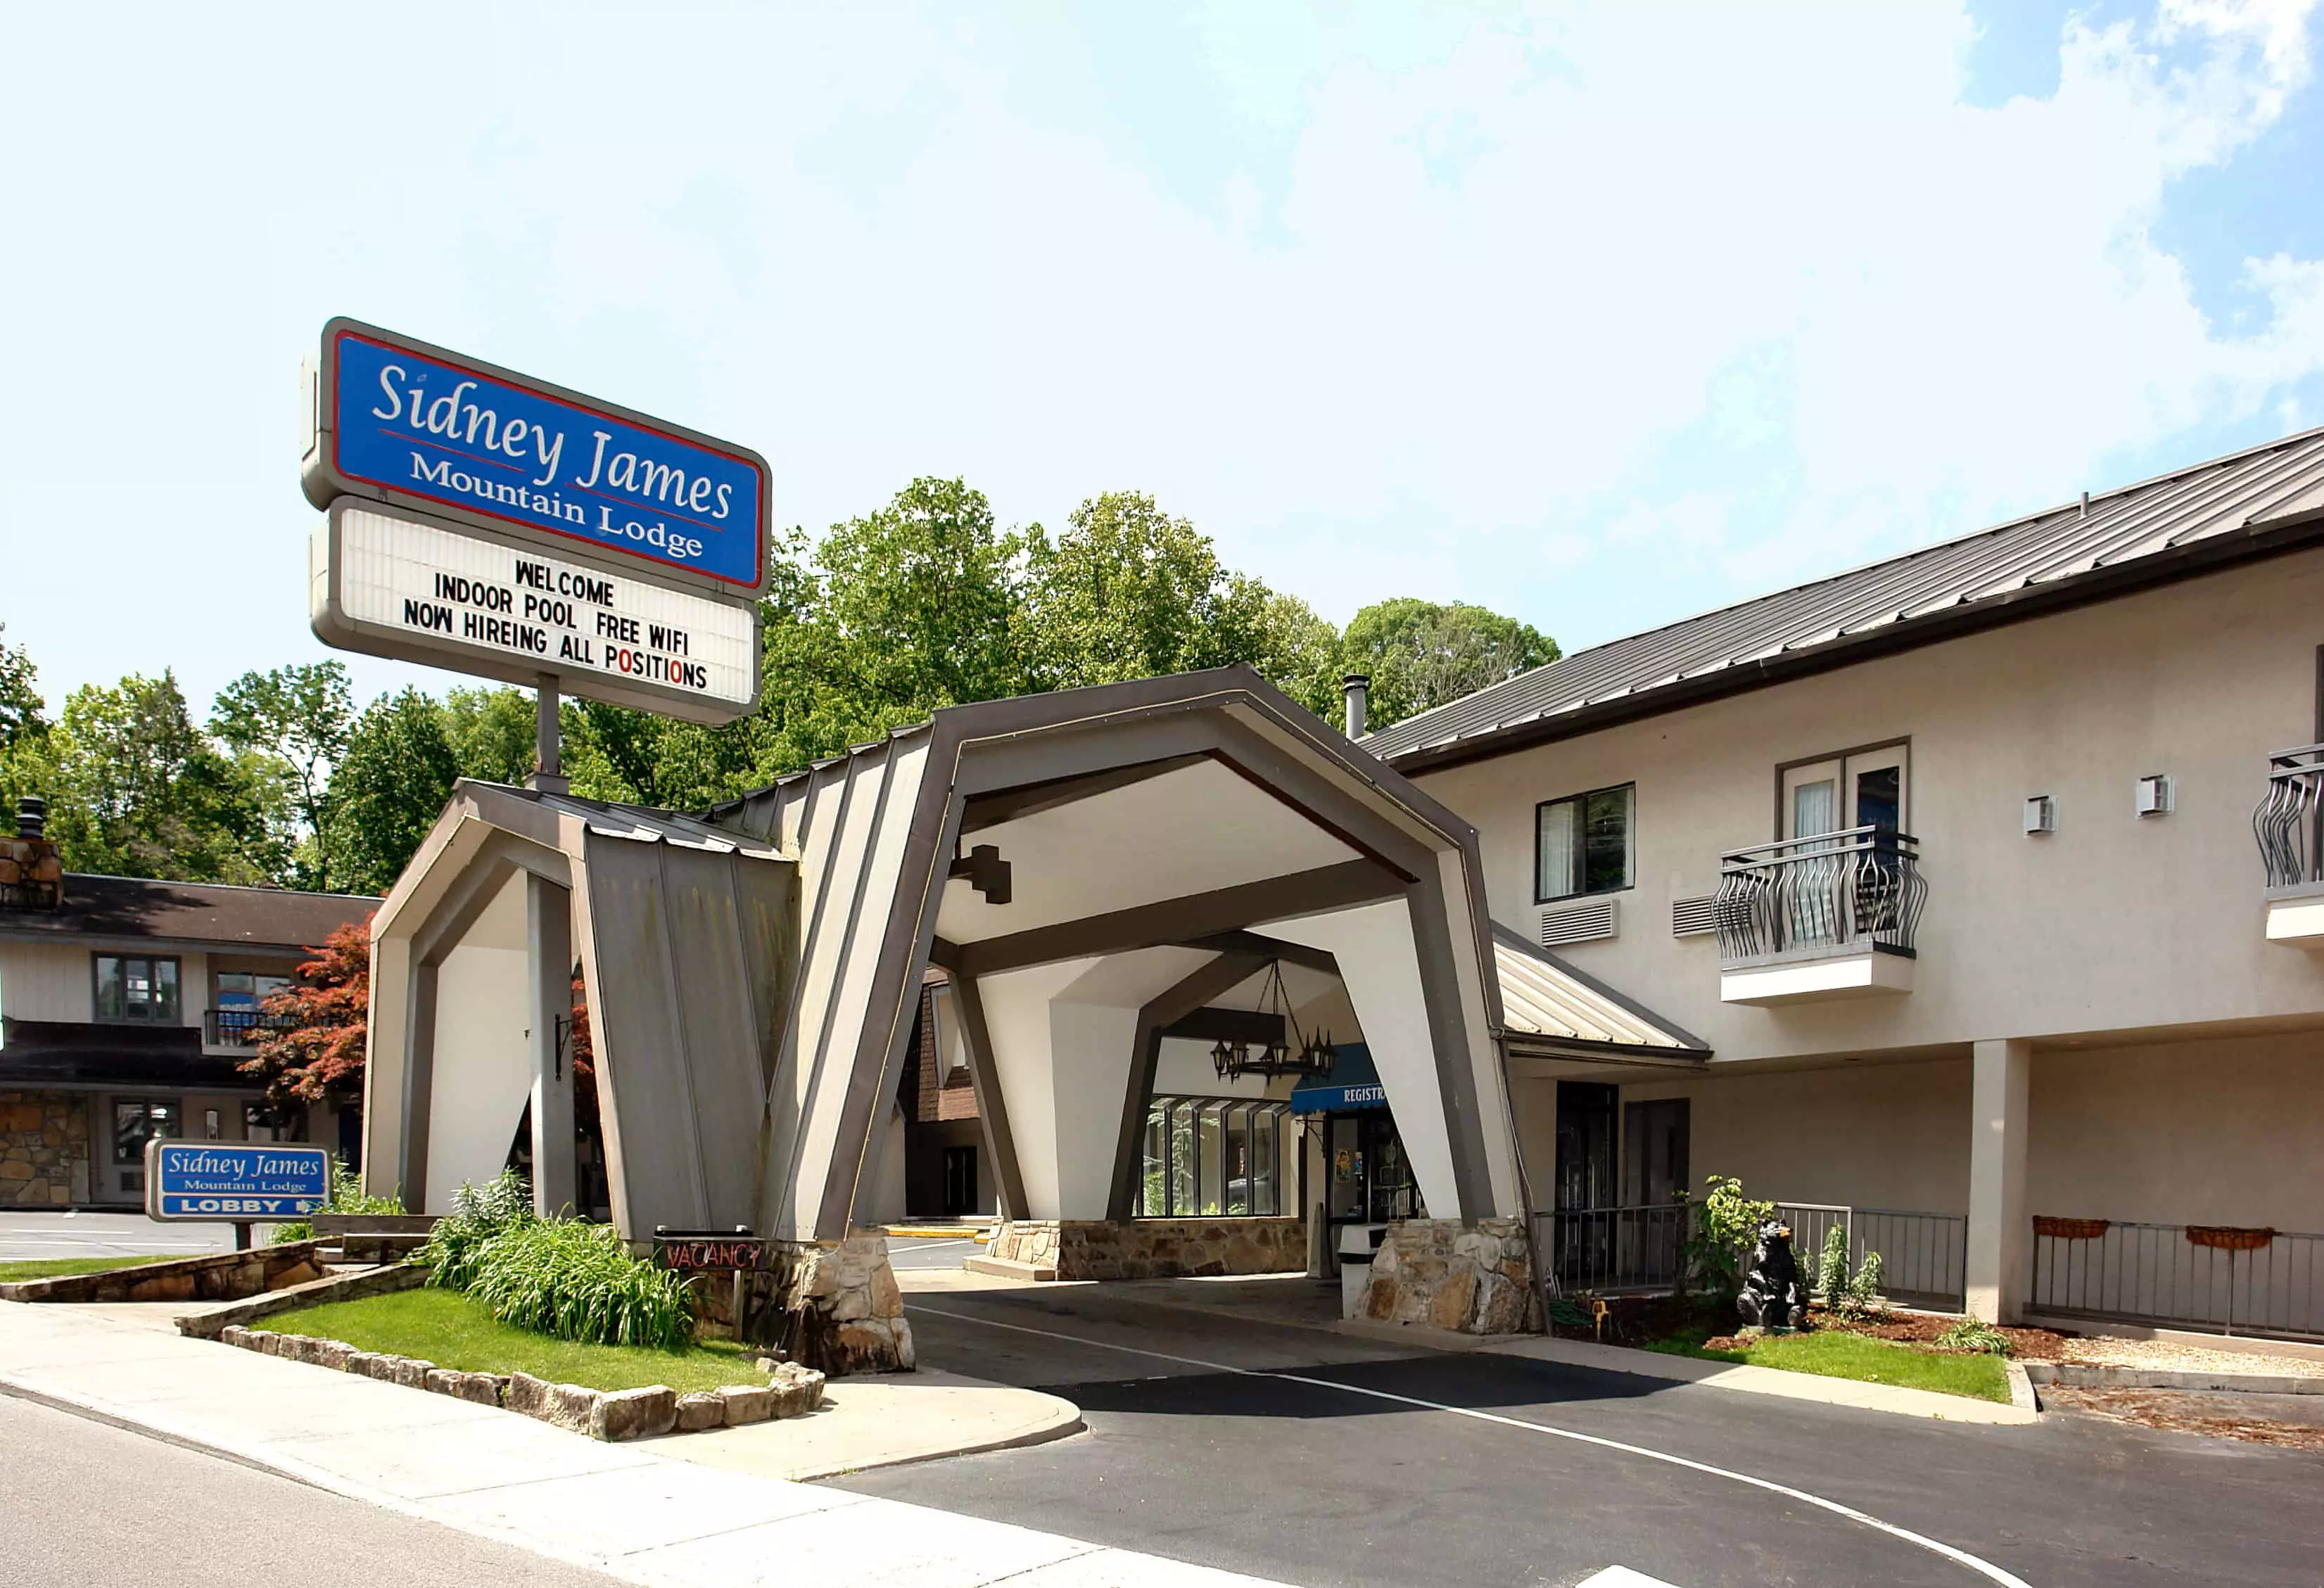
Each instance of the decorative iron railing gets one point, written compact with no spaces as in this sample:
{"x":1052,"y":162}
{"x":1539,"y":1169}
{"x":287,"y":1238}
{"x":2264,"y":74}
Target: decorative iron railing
{"x":1859,"y":888}
{"x":242,"y":1028}
{"x":1612,"y":1249}
{"x":2236,"y":1280}
{"x":1924,"y":1256}
{"x":2290,"y":822}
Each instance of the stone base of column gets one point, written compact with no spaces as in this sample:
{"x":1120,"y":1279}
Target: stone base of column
{"x":1144,"y":1248}
{"x":1473,"y":1278}
{"x":832,"y":1306}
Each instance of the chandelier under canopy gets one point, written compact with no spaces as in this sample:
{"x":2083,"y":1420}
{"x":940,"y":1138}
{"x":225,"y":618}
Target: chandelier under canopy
{"x":1300,"y":1056}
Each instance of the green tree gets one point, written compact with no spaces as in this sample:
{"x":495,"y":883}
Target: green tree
{"x":20,"y":697}
{"x":1424,"y":653}
{"x":136,"y":790}
{"x":297,"y":719}
{"x":490,"y":731}
{"x":1128,"y":592}
{"x":389,"y":788}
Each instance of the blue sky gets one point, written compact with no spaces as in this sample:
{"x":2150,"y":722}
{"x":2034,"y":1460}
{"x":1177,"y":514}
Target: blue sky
{"x":1600,"y":314}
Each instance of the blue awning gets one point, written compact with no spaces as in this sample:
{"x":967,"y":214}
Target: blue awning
{"x":1352,"y":1083}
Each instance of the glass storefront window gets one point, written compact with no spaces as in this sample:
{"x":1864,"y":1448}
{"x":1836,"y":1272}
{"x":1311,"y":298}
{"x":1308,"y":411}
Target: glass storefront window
{"x":1210,"y":1157}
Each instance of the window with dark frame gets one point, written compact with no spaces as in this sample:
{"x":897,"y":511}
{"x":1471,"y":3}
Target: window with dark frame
{"x":1211,"y":1158}
{"x":137,"y":988}
{"x":1582,"y":844}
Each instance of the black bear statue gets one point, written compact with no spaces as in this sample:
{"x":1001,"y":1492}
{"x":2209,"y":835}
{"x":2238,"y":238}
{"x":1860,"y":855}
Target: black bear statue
{"x":1772,"y":1296}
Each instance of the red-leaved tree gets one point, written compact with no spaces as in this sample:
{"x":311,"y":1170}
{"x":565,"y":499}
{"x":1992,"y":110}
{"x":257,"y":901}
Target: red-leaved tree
{"x":317,"y":1055}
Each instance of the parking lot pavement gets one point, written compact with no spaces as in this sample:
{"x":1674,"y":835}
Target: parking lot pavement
{"x":1312,"y":1456}
{"x":931,"y":1252}
{"x":24,"y":1236}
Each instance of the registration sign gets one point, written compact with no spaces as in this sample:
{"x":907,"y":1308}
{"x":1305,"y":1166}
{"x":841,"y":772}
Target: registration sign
{"x":401,"y":421}
{"x":235,"y":1181}
{"x":394,"y":583}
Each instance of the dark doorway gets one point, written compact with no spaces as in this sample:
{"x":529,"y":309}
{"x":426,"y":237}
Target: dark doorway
{"x":1585,"y":1144}
{"x":1654,"y":1152}
{"x":959,"y":1181}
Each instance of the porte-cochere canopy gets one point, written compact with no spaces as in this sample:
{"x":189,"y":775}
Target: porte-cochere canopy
{"x":1090,"y":867}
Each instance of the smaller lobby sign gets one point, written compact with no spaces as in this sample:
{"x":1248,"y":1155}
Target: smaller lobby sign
{"x":235,"y":1181}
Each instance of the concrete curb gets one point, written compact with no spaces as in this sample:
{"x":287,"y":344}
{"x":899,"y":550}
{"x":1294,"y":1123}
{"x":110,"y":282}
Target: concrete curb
{"x":2020,"y":1387}
{"x":1693,"y":1372}
{"x":2075,"y":1375}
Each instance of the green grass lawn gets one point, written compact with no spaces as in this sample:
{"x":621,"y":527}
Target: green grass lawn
{"x":1838,"y":1354}
{"x":452,"y":1331}
{"x":58,"y":1268}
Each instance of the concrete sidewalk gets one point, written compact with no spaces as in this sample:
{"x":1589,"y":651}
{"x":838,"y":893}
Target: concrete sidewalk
{"x":635,"y":1511}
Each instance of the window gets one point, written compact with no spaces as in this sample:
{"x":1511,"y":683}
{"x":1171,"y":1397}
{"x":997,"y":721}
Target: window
{"x":240,"y":1000}
{"x":1211,"y":1158}
{"x":1582,"y":844}
{"x":139,"y":1120}
{"x":136,"y":989}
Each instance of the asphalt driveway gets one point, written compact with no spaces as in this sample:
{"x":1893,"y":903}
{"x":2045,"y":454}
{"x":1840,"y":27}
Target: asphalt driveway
{"x":1304,"y":1455}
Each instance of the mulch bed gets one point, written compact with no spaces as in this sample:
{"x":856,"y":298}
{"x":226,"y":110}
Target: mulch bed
{"x":1905,"y":1328}
{"x":1634,"y":1320}
{"x":2177,"y":1413}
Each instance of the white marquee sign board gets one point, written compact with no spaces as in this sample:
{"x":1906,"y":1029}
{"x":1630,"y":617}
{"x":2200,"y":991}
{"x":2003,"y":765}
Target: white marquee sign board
{"x":392,"y":582}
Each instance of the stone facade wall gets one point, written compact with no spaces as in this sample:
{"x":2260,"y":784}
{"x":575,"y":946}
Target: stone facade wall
{"x":1476,"y":1280}
{"x":1153,"y":1248}
{"x":835,"y":1308}
{"x":44,"y":1159}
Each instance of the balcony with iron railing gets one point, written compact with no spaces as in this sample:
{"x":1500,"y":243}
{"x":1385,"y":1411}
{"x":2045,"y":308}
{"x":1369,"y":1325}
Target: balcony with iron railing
{"x":241,"y":1027}
{"x":2290,"y":827}
{"x":1832,"y":916}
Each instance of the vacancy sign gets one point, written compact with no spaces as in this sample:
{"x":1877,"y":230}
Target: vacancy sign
{"x":395,"y":583}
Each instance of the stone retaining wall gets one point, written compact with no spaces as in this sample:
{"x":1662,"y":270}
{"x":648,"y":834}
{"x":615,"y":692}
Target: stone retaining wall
{"x":1152,"y":1248}
{"x":227,"y":1277}
{"x":791,"y":1390}
{"x":1476,"y":1280}
{"x":44,"y":1158}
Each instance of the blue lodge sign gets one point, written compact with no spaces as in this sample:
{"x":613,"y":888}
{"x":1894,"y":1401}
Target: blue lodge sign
{"x":399,"y":421}
{"x":227,"y":1180}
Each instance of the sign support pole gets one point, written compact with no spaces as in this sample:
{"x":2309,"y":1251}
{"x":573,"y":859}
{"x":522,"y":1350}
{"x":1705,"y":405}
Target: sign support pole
{"x":241,"y":1235}
{"x":548,"y":767}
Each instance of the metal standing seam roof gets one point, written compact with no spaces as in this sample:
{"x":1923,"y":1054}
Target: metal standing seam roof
{"x":1543,"y":997}
{"x":2276,"y":487}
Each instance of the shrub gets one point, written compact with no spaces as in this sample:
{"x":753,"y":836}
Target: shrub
{"x":457,"y":1243}
{"x":346,"y":1196}
{"x":1972,"y":1335}
{"x":1831,"y":1266}
{"x":1864,"y":1288}
{"x":1725,"y":1229}
{"x":578,"y":1281}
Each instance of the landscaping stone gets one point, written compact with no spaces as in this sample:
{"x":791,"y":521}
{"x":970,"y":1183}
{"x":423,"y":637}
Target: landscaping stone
{"x":409,"y":1372}
{"x":837,"y":1304}
{"x":573,"y":1406}
{"x":797,"y":1390}
{"x":234,"y":1335}
{"x":747,"y":1404}
{"x":633,"y":1414}
{"x":333,"y":1353}
{"x":700,"y":1410}
{"x":528,"y":1395}
{"x":228,"y":1275}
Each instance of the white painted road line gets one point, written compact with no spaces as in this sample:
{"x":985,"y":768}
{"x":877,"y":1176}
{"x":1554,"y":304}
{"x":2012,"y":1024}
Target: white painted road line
{"x":1985,"y":1568}
{"x":931,"y":1245}
{"x":1622,"y":1577}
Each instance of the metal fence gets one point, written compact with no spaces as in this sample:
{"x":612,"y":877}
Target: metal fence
{"x":1924,"y":1256}
{"x":1857,"y":887}
{"x":1612,"y":1249}
{"x":2235,"y":1281}
{"x":2286,"y":823}
{"x":242,"y":1028}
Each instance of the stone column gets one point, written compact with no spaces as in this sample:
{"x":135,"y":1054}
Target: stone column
{"x":1999,"y":1241}
{"x":835,"y":1306}
{"x":549,"y":943}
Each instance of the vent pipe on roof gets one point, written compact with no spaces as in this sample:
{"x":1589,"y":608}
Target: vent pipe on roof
{"x":32,"y":817}
{"x":2085,"y":504}
{"x":1357,"y":687}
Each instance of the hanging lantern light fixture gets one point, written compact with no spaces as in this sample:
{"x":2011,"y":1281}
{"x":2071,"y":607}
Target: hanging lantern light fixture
{"x":1300,"y":1056}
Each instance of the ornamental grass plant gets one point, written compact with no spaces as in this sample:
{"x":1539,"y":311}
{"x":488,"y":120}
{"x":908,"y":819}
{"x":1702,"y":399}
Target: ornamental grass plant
{"x":576,"y":1281}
